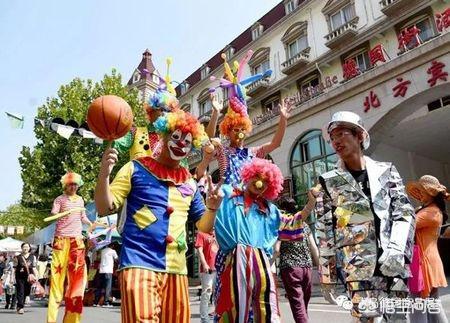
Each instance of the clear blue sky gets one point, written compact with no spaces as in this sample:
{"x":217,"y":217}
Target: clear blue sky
{"x":45,"y":44}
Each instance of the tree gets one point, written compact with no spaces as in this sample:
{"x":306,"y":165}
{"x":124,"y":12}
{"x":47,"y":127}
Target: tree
{"x":18,"y":215}
{"x":53,"y":155}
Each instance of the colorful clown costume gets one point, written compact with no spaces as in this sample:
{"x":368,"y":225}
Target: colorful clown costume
{"x":158,"y":202}
{"x":246,"y":232}
{"x":68,"y":260}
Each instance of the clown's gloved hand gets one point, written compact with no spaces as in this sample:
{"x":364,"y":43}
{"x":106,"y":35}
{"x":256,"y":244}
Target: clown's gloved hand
{"x":392,"y":263}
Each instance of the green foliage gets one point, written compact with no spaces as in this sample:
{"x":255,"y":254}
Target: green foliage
{"x":53,"y":155}
{"x":17,"y":215}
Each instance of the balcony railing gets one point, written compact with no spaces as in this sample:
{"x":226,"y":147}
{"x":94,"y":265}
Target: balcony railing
{"x":340,"y":35}
{"x":258,"y":86}
{"x":296,"y":62}
{"x":394,"y":7}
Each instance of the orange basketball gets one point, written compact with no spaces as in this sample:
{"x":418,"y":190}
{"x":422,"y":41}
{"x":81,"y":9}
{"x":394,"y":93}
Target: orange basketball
{"x":109,"y":117}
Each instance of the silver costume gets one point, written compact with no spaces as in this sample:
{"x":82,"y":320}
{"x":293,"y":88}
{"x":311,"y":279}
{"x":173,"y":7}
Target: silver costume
{"x":346,"y":223}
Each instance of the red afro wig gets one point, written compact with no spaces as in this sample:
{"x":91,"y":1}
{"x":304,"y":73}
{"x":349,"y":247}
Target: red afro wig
{"x":268,"y":172}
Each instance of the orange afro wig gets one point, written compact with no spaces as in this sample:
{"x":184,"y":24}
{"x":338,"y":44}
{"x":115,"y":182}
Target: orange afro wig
{"x":234,"y":120}
{"x":186,"y":122}
{"x":266,"y":171}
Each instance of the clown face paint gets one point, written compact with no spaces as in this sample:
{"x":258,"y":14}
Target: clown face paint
{"x":257,"y":186}
{"x":179,"y":144}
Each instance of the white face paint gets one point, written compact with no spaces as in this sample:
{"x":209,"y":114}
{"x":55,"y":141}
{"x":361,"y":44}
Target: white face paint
{"x":179,"y":145}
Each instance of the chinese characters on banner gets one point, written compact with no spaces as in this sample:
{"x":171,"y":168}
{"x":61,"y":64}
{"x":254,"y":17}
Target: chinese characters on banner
{"x":350,"y":69}
{"x":443,"y":20}
{"x":377,"y":54}
{"x":436,"y":73}
{"x":408,"y":38}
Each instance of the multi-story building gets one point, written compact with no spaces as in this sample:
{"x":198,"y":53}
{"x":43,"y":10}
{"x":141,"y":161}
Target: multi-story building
{"x":386,"y":60}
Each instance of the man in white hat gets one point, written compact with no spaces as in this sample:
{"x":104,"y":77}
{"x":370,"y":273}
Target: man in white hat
{"x":364,"y":213}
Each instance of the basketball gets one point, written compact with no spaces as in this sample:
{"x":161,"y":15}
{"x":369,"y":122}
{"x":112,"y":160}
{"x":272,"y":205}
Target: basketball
{"x":109,"y":117}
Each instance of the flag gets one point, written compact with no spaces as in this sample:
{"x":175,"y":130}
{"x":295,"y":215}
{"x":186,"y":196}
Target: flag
{"x":2,"y":229}
{"x":86,"y":133}
{"x":10,"y":231}
{"x":16,"y":121}
{"x":19,"y":230}
{"x":64,"y":131}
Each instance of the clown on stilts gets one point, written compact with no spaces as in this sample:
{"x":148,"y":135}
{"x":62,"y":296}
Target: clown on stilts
{"x":68,"y":257}
{"x":159,"y":196}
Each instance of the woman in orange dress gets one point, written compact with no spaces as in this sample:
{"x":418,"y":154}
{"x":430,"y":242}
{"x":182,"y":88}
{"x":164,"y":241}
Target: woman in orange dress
{"x":429,"y":218}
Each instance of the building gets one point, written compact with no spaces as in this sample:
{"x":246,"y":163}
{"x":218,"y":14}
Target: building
{"x":386,"y":60}
{"x":145,"y":78}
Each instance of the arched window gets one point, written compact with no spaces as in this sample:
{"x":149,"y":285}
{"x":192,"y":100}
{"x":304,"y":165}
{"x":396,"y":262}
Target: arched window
{"x":310,"y":158}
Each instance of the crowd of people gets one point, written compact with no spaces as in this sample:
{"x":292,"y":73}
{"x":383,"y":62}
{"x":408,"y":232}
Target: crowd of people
{"x":367,"y":234}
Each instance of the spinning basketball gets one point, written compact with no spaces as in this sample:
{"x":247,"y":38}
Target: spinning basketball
{"x":109,"y":117}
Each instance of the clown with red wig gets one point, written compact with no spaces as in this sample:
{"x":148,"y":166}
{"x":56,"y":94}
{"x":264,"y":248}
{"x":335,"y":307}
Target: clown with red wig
{"x":158,"y":196}
{"x":247,"y":226}
{"x":236,"y":126}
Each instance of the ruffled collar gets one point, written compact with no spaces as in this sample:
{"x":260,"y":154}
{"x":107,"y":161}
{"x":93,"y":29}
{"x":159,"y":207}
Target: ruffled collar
{"x":177,"y":176}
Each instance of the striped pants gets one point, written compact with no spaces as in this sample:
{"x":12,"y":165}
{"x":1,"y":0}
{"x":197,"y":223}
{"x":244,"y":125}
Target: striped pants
{"x":247,"y":285}
{"x":149,"y":296}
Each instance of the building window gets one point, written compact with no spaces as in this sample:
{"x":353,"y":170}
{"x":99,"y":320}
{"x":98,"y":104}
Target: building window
{"x":341,"y":17}
{"x":297,"y":46}
{"x":184,"y":87}
{"x":290,"y":6}
{"x":257,"y":30}
{"x":439,"y":103}
{"x":356,"y":63}
{"x":261,"y":67}
{"x":309,"y":87}
{"x":310,"y":158}
{"x":155,"y":78}
{"x":229,"y":51}
{"x":136,"y":77}
{"x":186,"y":107}
{"x":271,"y":104}
{"x":205,"y":107}
{"x":416,"y":32}
{"x":204,"y":72}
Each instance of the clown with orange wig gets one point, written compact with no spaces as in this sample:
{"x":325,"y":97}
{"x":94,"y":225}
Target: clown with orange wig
{"x":158,"y":196}
{"x":236,"y":126}
{"x":247,"y":226}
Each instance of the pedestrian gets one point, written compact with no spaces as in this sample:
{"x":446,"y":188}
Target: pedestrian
{"x":431,"y":215}
{"x":9,"y":284}
{"x":207,"y":247}
{"x":68,"y":252}
{"x":296,"y":261}
{"x":106,"y":269}
{"x":2,"y":269}
{"x":364,"y":212}
{"x":42,"y":270}
{"x":25,"y":274}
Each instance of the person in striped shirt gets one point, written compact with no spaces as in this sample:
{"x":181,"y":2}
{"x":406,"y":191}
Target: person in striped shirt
{"x":68,"y":258}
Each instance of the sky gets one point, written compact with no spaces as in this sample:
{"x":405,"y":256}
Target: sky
{"x":45,"y":44}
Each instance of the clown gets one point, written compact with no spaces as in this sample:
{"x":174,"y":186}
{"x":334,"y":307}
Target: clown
{"x":144,"y":141}
{"x":159,"y":196}
{"x":236,"y":126}
{"x":247,"y":226}
{"x":68,"y":260}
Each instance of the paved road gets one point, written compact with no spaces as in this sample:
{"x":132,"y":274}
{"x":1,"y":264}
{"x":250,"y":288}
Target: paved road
{"x":319,"y":310}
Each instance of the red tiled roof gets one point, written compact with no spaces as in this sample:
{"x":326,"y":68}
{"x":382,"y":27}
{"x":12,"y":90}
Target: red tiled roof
{"x":268,"y":20}
{"x":146,"y":63}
